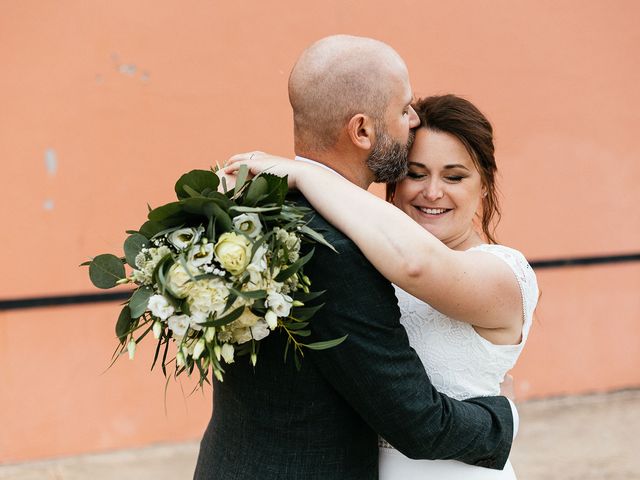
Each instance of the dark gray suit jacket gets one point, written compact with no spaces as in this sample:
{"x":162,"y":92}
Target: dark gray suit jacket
{"x":322,"y":422}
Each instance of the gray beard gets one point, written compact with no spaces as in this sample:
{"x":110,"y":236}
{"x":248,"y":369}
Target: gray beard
{"x":389,"y":159}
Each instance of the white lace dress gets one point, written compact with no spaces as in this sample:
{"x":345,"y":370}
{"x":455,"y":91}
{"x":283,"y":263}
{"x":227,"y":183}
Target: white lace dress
{"x":461,"y":364}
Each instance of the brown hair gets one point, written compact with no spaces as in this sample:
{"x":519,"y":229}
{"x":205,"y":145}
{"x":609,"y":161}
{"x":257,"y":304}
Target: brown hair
{"x":459,"y":117}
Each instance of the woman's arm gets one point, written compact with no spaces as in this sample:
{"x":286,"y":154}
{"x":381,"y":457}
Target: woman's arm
{"x":475,"y":287}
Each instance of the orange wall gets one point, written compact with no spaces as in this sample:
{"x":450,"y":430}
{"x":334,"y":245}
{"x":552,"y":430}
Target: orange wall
{"x":126,"y":95}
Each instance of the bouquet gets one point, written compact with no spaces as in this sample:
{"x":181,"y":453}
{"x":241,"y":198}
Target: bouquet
{"x":215,"y":273}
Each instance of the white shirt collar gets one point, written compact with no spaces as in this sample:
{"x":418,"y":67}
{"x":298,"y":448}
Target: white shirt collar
{"x":313,"y":162}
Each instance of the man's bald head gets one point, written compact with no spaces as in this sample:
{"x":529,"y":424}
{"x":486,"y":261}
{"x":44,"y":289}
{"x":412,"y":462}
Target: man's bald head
{"x":336,"y":78}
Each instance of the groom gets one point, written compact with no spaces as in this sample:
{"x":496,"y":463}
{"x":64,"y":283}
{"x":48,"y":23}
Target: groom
{"x":351,"y":104}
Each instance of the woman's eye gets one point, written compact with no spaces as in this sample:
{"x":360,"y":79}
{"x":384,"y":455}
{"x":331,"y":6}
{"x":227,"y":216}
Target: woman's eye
{"x":454,"y":178}
{"x":415,"y":175}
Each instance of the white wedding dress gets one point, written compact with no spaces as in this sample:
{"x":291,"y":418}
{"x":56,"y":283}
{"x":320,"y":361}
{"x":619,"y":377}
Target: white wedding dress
{"x":461,"y":364}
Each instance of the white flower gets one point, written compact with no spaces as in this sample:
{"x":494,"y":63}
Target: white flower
{"x":227,"y":352}
{"x":179,"y":359}
{"x":272,"y":319}
{"x":260,"y":330}
{"x":201,"y":254}
{"x":179,"y":280}
{"x":157,"y":329}
{"x":247,"y":319}
{"x":232,"y":251}
{"x":279,"y":303}
{"x":249,"y":224}
{"x":209,"y":333}
{"x":160,"y":307}
{"x":196,"y":319}
{"x":241,"y":335}
{"x":184,"y":237}
{"x":179,"y":324}
{"x":131,"y":347}
{"x":198,"y":348}
{"x":225,"y":335}
{"x":207,"y":296}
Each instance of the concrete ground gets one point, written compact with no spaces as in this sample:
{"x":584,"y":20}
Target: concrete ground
{"x":590,"y":437}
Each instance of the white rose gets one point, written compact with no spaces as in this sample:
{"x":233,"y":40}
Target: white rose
{"x":201,"y":254}
{"x":232,"y":251}
{"x":160,"y":307}
{"x":249,"y":224}
{"x":260,"y":330}
{"x":184,"y":237}
{"x":279,"y":303}
{"x":179,"y":324}
{"x":179,"y":280}
{"x":227,"y":352}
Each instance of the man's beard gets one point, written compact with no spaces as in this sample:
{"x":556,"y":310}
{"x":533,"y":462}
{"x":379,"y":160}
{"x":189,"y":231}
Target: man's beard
{"x":389,"y":159}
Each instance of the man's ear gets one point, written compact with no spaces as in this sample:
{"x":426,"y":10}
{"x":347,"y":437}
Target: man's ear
{"x":361,"y":131}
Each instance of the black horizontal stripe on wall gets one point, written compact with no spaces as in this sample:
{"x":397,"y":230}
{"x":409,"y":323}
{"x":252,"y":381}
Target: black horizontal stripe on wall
{"x":84,"y":298}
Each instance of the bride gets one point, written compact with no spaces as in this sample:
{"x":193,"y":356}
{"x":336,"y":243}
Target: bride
{"x":467,"y":302}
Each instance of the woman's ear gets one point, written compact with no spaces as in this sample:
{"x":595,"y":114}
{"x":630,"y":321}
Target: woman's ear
{"x":361,"y":131}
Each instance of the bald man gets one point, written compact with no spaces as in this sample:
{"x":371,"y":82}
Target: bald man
{"x":351,"y":105}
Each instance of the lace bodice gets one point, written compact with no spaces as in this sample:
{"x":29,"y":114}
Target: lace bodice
{"x":461,"y":363}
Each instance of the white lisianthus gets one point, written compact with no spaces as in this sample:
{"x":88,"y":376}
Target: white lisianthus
{"x":247,"y":319}
{"x":249,"y":224}
{"x":179,"y":280}
{"x":196,"y":319}
{"x":260,"y":330}
{"x":179,"y":359}
{"x":184,"y":237}
{"x":227,"y":352}
{"x":279,"y":303}
{"x":232,"y":251}
{"x":160,"y":307}
{"x":198,"y":348}
{"x":241,"y":335}
{"x":271,"y":318}
{"x":179,"y":324}
{"x":157,"y":329}
{"x":217,"y":351}
{"x":209,"y":334}
{"x":131,"y":347}
{"x":201,"y":254}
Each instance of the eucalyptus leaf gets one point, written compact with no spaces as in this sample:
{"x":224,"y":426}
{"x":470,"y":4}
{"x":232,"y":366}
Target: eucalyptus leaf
{"x":139,"y":301}
{"x":257,"y":191}
{"x":255,"y":294}
{"x":253,"y":209}
{"x":105,"y":270}
{"x":224,"y":320}
{"x":316,"y":236}
{"x":196,"y":180}
{"x":150,"y":229}
{"x":294,"y":267}
{"x":123,"y":325}
{"x":326,"y":344}
{"x":132,"y":246}
{"x":241,"y":178}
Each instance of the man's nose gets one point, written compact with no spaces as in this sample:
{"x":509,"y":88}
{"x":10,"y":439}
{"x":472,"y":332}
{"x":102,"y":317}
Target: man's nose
{"x":414,"y":120}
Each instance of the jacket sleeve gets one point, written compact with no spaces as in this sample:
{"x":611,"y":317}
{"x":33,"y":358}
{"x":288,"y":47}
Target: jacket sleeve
{"x":377,"y":372}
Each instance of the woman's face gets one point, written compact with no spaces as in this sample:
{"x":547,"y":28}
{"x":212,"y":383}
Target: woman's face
{"x":443,"y":188}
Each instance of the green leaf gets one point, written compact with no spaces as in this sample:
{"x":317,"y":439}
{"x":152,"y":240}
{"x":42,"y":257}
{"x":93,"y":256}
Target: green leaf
{"x":296,"y":325}
{"x":241,"y":178}
{"x":255,"y":294}
{"x":316,"y":237}
{"x":132,"y":247}
{"x":305,"y":313}
{"x":326,"y":344}
{"x":307,"y":297}
{"x":257,"y":191}
{"x":85,"y":264}
{"x":105,"y":270}
{"x":139,"y":301}
{"x":150,"y":229}
{"x":123,"y":325}
{"x":253,"y":209}
{"x":301,"y":333}
{"x":166,"y":213}
{"x":294,"y":267}
{"x":226,"y":319}
{"x":197,"y":181}
{"x":191,"y":192}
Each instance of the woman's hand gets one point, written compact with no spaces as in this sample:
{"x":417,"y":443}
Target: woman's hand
{"x":259,"y":162}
